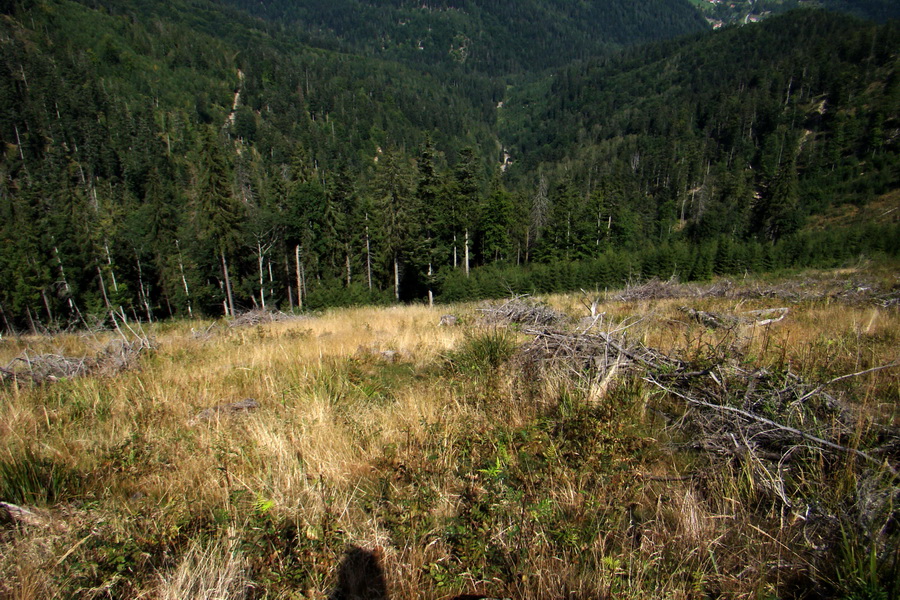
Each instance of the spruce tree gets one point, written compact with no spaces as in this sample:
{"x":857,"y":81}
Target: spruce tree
{"x":497,"y":223}
{"x":466,"y":201}
{"x":393,"y":190}
{"x":427,"y":212}
{"x":218,"y":215}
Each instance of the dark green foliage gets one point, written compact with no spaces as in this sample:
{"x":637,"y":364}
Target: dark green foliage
{"x":492,"y":37}
{"x":218,"y":214}
{"x":483,"y":352}
{"x":147,"y":146}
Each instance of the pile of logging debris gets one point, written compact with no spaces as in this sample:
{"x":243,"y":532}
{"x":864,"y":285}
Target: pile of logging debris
{"x":729,"y":409}
{"x":116,"y":356}
{"x":521,"y":310}
{"x":252,"y":318}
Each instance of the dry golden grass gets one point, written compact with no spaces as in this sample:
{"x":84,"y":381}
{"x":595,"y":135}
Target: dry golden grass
{"x":207,"y":572}
{"x":453,"y":479}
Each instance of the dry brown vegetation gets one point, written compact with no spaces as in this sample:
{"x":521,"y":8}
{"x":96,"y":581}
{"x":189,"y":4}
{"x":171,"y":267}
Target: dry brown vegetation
{"x":525,"y":458}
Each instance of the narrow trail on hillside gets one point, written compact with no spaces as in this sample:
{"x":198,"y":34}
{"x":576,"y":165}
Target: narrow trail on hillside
{"x":237,"y":99}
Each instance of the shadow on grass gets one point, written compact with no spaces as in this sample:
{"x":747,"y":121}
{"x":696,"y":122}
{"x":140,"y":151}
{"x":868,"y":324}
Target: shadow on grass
{"x":360,"y":577}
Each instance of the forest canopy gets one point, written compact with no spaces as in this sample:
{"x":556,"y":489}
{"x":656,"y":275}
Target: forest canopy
{"x":185,"y":159}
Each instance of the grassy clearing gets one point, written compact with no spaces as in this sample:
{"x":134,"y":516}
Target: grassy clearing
{"x":429,"y":461}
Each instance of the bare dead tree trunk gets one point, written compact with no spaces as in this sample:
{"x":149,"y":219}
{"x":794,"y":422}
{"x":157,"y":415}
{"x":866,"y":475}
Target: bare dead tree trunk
{"x":187,"y":292}
{"x":112,"y":273}
{"x":224,"y":297}
{"x":30,"y":320}
{"x":455,"y":260}
{"x":430,"y":293}
{"x":396,"y":278}
{"x":527,"y":243}
{"x":287,"y":277}
{"x":303,"y":292}
{"x":18,"y":139}
{"x":7,"y":326}
{"x":262,"y":279}
{"x":143,"y":292}
{"x":47,"y":305}
{"x":467,"y":251}
{"x":347,"y":265}
{"x":271,"y":281}
{"x":229,"y":296}
{"x":368,"y":255}
{"x":599,"y":225}
{"x":103,"y":288}
{"x":65,"y":282}
{"x":299,"y":277}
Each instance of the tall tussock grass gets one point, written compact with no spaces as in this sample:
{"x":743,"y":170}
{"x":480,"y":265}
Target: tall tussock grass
{"x":29,"y":478}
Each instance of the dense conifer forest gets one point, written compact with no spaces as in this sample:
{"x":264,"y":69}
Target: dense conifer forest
{"x":188,"y":158}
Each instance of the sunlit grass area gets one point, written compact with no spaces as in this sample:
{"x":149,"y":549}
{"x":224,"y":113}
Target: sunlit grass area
{"x":469,"y":458}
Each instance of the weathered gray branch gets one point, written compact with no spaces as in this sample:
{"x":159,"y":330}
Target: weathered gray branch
{"x":759,"y":419}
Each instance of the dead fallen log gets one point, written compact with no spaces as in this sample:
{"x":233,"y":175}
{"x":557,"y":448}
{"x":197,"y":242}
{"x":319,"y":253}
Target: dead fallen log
{"x":726,"y":321}
{"x":18,"y":515}
{"x":225,"y":410}
{"x":781,"y":312}
{"x":596,"y":360}
{"x":711,"y":320}
{"x":45,"y":368}
{"x":652,"y":289}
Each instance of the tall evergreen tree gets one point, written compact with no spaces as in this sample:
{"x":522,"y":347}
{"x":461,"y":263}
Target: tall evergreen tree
{"x":427,"y":215}
{"x":466,"y":198}
{"x":497,"y":223}
{"x":394,"y":189}
{"x":218,"y":215}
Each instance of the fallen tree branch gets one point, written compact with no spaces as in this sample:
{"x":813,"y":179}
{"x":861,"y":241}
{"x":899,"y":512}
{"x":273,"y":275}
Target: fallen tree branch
{"x":782,"y":313}
{"x":843,"y":377}
{"x":759,"y":419}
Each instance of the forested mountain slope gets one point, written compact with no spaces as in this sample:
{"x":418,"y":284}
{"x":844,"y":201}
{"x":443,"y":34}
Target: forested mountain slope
{"x":740,"y":133}
{"x":182,"y":158}
{"x":481,"y":35}
{"x":113,"y":116}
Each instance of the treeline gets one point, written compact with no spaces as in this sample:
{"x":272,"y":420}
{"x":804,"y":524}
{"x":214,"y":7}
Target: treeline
{"x":171,"y":160}
{"x":681,"y":260}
